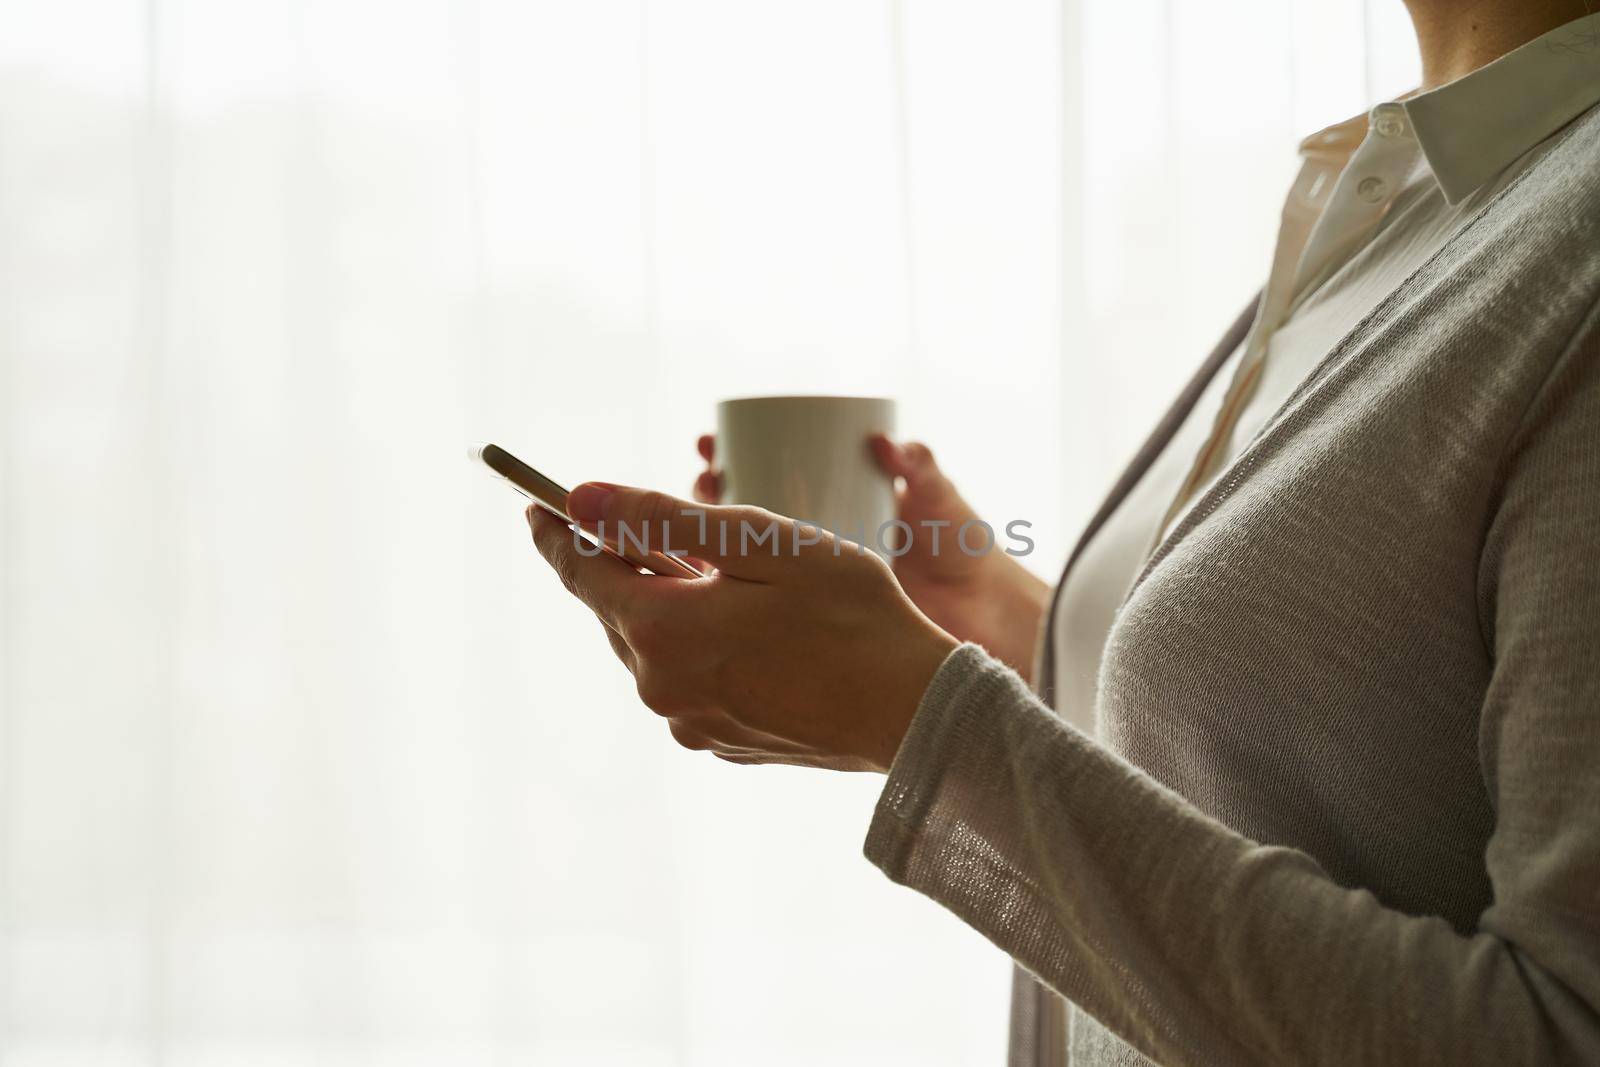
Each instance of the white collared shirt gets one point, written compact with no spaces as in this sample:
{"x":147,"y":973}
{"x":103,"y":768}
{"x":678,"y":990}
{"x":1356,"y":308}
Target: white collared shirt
{"x":1375,"y":197}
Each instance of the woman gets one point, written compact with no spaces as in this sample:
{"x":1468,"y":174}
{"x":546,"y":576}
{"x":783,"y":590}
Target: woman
{"x":1338,"y":626}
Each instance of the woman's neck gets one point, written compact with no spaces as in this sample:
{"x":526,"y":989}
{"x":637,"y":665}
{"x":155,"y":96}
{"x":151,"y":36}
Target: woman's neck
{"x":1457,"y":37}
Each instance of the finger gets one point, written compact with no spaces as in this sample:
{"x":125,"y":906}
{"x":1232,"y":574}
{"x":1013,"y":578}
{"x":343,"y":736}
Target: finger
{"x":707,"y":446}
{"x":718,"y":734}
{"x":743,"y":542}
{"x":692,"y":734}
{"x":734,"y":736}
{"x":603,"y":582}
{"x":708,"y":487}
{"x":687,"y":736}
{"x":767,"y":759}
{"x":888,"y":455}
{"x":621,"y":648}
{"x":912,"y":461}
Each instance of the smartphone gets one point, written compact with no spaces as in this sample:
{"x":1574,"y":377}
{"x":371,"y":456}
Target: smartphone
{"x":530,"y":483}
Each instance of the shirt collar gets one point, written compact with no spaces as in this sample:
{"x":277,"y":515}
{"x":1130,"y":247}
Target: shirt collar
{"x":1473,"y":128}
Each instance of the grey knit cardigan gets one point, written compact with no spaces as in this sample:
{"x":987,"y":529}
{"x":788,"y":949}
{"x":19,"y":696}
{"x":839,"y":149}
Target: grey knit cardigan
{"x":1345,"y":807}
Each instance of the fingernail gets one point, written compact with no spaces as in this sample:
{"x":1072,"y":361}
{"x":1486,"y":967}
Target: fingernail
{"x":587,"y":503}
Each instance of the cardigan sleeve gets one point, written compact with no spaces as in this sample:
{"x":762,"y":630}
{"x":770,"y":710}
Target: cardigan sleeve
{"x":1198,"y":946}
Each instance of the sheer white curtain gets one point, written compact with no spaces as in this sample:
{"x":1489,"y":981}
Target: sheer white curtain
{"x":303,"y":757}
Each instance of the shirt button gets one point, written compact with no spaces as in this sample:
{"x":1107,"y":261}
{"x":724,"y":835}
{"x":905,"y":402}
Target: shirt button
{"x":1372,"y":189}
{"x":1390,"y":125}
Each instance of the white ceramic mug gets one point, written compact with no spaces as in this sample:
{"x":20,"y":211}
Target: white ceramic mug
{"x":806,"y":457}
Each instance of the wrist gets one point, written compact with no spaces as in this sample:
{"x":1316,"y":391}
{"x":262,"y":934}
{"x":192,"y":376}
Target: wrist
{"x":1014,"y":601}
{"x":923,"y":656}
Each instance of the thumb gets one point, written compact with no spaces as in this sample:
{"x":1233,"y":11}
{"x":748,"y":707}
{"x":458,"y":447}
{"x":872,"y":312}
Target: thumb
{"x":743,"y":542}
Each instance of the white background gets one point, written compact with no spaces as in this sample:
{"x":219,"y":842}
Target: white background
{"x":304,"y":758}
